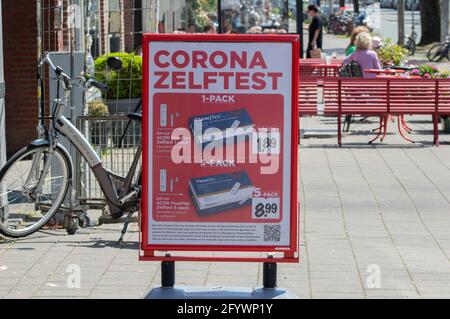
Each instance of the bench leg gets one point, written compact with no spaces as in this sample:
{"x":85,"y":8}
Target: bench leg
{"x":385,"y":124}
{"x":339,"y":130}
{"x":436,"y":129}
{"x":380,"y":129}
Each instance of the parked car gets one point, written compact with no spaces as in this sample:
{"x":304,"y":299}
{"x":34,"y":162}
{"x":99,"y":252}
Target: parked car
{"x":393,"y":4}
{"x":386,"y":3}
{"x":325,"y":9}
{"x":412,"y":5}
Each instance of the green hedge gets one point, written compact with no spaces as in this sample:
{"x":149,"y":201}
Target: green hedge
{"x":123,"y":84}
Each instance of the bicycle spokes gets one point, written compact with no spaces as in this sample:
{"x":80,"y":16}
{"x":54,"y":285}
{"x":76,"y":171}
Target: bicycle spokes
{"x":31,"y":190}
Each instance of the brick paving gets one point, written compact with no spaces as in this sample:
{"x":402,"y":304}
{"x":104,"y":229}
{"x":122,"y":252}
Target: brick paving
{"x":364,"y":210}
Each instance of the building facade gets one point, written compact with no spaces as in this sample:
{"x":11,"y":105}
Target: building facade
{"x":32,"y":27}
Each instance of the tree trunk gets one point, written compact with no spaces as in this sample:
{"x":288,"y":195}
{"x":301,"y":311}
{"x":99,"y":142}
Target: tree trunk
{"x":356,"y":6}
{"x":444,"y":19}
{"x":430,"y":21}
{"x":330,"y":5}
{"x":341,"y":3}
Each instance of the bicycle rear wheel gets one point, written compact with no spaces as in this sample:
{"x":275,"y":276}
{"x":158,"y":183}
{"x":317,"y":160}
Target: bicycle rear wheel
{"x":410,"y":46}
{"x":33,"y":184}
{"x":435,"y":53}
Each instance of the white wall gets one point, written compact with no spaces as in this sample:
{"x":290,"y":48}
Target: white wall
{"x":167,"y":8}
{"x":150,"y":9}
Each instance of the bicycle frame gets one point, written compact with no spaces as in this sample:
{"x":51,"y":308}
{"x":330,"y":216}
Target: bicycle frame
{"x":115,"y":198}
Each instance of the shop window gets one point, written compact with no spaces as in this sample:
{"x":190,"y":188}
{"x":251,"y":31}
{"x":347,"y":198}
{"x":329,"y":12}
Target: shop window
{"x":114,"y":25}
{"x":92,"y":25}
{"x":257,"y":16}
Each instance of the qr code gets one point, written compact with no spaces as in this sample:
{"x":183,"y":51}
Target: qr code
{"x":272,"y":232}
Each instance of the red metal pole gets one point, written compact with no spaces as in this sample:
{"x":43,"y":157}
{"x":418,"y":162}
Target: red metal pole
{"x":436,"y":114}
{"x":339,"y":115}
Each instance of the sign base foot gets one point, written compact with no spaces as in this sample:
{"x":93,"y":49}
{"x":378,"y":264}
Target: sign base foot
{"x":186,"y":292}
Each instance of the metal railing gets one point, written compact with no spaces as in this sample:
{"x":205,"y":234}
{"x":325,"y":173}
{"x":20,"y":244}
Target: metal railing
{"x":104,"y":133}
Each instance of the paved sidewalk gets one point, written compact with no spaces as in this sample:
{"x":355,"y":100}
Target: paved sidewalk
{"x":365,"y":210}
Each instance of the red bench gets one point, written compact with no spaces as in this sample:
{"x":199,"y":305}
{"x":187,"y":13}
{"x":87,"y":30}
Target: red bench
{"x":307,"y":96}
{"x":384,"y":97}
{"x":310,"y":74}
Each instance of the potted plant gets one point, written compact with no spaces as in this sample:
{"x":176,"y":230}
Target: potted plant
{"x":125,"y":84}
{"x":391,"y":54}
{"x":427,"y":71}
{"x":98,"y":128}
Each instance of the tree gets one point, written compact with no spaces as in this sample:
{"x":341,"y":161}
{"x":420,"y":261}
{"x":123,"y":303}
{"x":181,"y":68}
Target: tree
{"x":430,"y":21}
{"x":202,"y":9}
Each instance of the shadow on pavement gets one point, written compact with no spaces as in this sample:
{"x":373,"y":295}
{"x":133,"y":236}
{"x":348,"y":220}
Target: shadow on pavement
{"x":134,"y":245}
{"x":356,"y":145}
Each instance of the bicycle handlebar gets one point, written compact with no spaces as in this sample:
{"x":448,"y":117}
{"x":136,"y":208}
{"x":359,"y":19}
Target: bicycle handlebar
{"x":98,"y":85}
{"x":67,"y":80}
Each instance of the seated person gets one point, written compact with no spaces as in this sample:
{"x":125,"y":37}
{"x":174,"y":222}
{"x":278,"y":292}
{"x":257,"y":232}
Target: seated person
{"x":351,"y":47}
{"x":376,"y":43}
{"x":366,"y":58}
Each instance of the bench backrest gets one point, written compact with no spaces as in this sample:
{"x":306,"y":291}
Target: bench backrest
{"x":368,"y":96}
{"x":308,"y":82}
{"x":444,"y":97}
{"x":307,"y":96}
{"x":416,"y":96}
{"x":355,"y":95}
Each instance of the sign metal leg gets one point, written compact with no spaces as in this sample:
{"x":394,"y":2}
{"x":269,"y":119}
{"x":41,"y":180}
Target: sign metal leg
{"x":167,"y":274}
{"x":269,"y":275}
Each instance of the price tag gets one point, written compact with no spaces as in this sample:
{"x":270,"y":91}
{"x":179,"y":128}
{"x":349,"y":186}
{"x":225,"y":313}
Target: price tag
{"x":265,"y":208}
{"x":266,"y":142}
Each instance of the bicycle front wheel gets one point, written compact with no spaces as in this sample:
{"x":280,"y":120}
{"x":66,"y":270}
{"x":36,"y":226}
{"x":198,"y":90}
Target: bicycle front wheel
{"x":435,"y":53}
{"x":33,"y":184}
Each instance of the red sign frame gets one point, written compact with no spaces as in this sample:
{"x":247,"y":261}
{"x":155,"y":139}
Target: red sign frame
{"x":289,"y":254}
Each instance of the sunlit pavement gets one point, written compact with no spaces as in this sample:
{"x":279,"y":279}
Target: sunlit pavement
{"x":375,"y":223}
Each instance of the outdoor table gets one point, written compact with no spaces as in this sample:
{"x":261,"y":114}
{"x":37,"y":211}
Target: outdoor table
{"x":387,"y":76}
{"x":317,"y":67}
{"x":384,"y":71}
{"x":320,"y":61}
{"x":382,"y":129}
{"x":324,"y":69}
{"x":405,"y":68}
{"x":401,"y":123}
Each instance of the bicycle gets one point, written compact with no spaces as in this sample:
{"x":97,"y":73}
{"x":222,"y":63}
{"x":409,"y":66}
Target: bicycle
{"x":439,"y":51}
{"x":411,"y":43}
{"x":340,"y":25}
{"x":34,"y":182}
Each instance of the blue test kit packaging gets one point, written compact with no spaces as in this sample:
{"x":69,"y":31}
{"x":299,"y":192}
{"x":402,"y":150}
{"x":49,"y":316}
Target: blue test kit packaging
{"x":231,"y":125}
{"x":216,"y":193}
